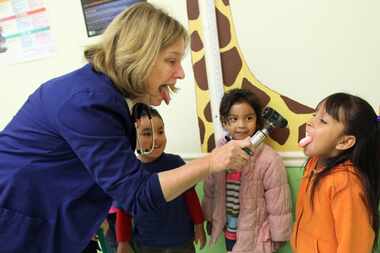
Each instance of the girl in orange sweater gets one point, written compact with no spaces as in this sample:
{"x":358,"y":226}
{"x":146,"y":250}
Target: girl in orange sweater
{"x":337,"y":205}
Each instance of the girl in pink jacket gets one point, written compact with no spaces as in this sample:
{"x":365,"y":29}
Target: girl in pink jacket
{"x":252,"y":207}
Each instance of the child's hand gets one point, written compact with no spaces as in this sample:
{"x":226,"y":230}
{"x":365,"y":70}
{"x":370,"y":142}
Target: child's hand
{"x":209,"y":227}
{"x":123,"y":247}
{"x":277,"y":245}
{"x":199,"y":235}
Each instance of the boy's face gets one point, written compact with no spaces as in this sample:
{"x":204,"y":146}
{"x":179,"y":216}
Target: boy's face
{"x":241,"y":121}
{"x":146,"y":135}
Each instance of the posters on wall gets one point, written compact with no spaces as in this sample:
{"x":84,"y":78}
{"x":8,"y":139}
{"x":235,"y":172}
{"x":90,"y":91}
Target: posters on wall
{"x":24,"y":31}
{"x":99,"y":13}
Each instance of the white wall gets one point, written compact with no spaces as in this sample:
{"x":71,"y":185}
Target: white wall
{"x":309,"y":49}
{"x":303,"y":49}
{"x":180,"y":117}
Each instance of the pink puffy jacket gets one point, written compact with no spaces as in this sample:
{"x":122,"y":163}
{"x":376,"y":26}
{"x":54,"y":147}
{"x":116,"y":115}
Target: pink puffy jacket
{"x":265,"y":204}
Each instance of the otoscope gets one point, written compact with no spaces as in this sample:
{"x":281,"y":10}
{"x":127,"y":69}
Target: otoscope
{"x":272,"y":119}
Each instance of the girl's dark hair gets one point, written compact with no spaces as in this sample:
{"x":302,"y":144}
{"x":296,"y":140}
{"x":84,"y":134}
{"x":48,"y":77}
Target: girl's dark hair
{"x":236,"y":96}
{"x":360,"y":120}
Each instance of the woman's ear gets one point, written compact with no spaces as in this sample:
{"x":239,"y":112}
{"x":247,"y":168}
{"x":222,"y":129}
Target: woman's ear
{"x":346,"y":142}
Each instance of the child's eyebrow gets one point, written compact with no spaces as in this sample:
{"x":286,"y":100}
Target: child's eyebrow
{"x":248,"y":114}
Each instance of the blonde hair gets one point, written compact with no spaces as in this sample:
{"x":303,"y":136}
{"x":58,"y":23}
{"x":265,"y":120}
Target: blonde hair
{"x":130,"y":45}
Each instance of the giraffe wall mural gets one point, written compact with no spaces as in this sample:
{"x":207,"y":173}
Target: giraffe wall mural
{"x":237,"y":74}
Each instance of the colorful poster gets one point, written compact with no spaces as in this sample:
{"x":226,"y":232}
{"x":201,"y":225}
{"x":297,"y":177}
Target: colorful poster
{"x":24,"y":31}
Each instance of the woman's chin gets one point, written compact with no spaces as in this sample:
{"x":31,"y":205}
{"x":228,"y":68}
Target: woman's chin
{"x":155,"y":101}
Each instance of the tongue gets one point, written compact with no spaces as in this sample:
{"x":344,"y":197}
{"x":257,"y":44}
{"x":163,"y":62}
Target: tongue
{"x":164,"y":91}
{"x":304,"y":141}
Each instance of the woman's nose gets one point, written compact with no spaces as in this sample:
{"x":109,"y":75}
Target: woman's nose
{"x":180,"y":73}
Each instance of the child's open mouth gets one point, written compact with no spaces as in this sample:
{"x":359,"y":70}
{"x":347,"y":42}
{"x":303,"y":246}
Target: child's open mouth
{"x":305,"y":140}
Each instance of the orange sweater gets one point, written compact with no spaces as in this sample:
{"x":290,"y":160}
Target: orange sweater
{"x":339,"y":221}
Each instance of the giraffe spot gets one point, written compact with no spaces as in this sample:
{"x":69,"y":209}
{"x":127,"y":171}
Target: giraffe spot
{"x":210,"y":143}
{"x":263,"y":97}
{"x":226,"y":2}
{"x":200,"y":74}
{"x":202,"y":129}
{"x":224,"y":30}
{"x":296,"y":107}
{"x":231,"y":66}
{"x":192,"y":9}
{"x":280,"y":135}
{"x":207,"y":112}
{"x":196,"y":42}
{"x":301,"y":131}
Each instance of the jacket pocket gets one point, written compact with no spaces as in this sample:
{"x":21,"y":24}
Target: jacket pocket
{"x":19,"y":233}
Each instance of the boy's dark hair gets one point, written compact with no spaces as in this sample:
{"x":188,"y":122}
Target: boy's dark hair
{"x":360,"y":120}
{"x":140,"y":110}
{"x":237,"y":96}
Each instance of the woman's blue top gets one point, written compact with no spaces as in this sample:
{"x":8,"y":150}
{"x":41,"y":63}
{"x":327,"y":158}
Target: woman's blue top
{"x":63,"y":157}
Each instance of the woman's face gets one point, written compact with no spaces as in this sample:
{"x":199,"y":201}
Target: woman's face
{"x":146,"y":136}
{"x":166,"y":70}
{"x":241,"y":121}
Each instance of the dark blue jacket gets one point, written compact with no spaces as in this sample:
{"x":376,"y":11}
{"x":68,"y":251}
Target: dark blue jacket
{"x":63,"y":157}
{"x":169,"y":226}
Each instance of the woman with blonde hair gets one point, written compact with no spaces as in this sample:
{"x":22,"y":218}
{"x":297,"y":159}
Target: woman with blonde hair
{"x":70,"y":149}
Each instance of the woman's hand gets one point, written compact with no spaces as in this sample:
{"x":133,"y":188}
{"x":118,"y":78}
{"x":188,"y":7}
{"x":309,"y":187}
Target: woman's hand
{"x":229,"y":156}
{"x":199,"y":235}
{"x":123,"y":247}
